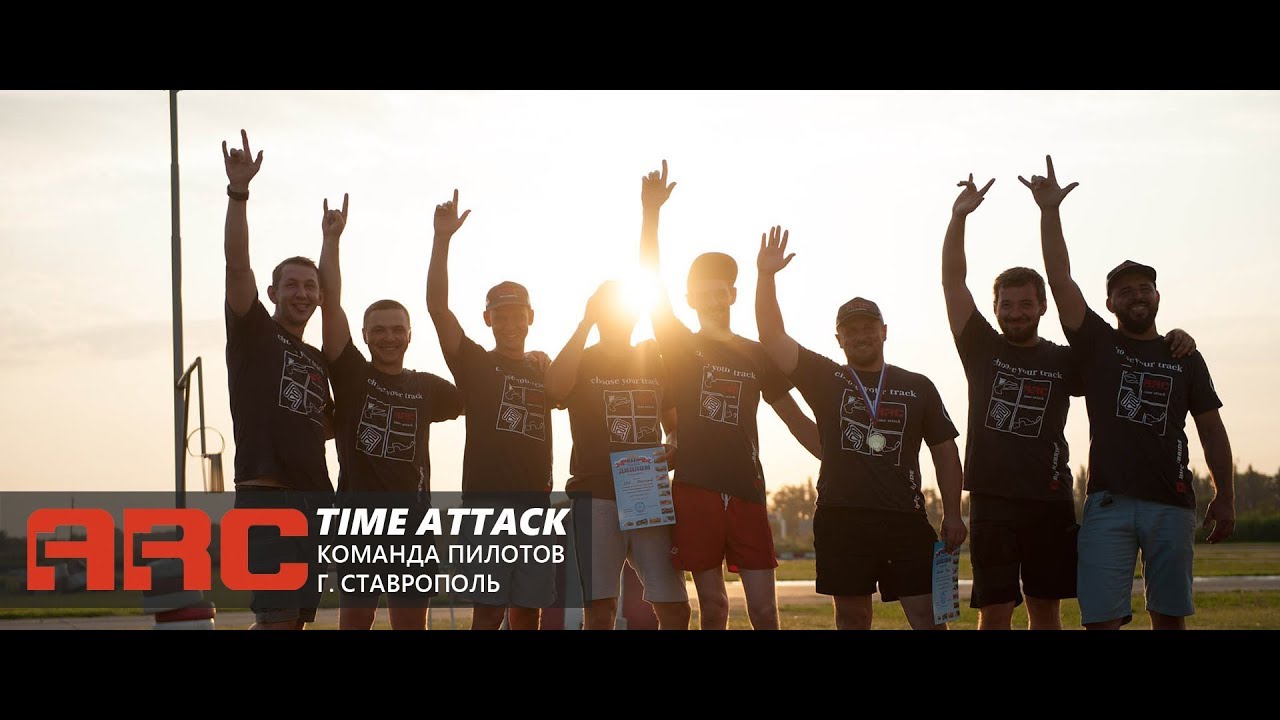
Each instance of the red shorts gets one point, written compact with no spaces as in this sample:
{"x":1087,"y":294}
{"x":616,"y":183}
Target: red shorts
{"x":709,"y":531}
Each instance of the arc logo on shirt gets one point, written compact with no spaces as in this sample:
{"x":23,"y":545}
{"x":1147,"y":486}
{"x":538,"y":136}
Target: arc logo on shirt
{"x":1144,"y":398}
{"x":720,"y":396}
{"x":632,"y":416}
{"x":387,"y":431}
{"x":856,"y":430}
{"x":302,"y":386}
{"x":523,"y":409}
{"x":1018,"y":405}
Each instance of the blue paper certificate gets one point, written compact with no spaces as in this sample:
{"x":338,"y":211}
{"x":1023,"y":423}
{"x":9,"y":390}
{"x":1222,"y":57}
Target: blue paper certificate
{"x":643,"y":488}
{"x":946,"y":584}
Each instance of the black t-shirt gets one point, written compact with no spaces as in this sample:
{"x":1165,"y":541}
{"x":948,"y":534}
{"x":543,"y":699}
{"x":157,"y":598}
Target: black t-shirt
{"x":508,"y":422}
{"x":384,"y":423}
{"x":1018,"y":401}
{"x":616,"y":404}
{"x":859,"y":470}
{"x":717,"y":388}
{"x":1138,"y":398}
{"x":280,"y":402}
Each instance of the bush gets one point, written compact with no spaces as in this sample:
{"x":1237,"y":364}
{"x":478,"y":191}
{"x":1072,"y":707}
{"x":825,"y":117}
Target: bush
{"x":1255,"y":526}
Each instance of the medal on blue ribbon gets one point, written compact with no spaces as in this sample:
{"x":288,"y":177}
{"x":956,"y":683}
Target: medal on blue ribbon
{"x":875,"y":441}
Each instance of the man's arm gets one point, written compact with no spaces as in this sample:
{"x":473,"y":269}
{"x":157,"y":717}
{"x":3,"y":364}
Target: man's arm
{"x":802,"y":428}
{"x":654,"y":192}
{"x":563,"y":373}
{"x":1057,"y":263}
{"x":241,"y":167}
{"x":337,"y":331}
{"x":946,"y":464}
{"x":782,"y":349}
{"x":447,"y":221}
{"x":960,"y":305}
{"x":1221,"y":515}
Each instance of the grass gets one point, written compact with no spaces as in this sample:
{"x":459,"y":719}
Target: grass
{"x":1237,"y":610}
{"x":1210,"y":561}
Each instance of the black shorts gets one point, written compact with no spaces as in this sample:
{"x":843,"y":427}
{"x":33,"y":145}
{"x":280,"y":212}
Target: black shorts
{"x":268,"y":549}
{"x":858,"y":548}
{"x":1009,"y":537}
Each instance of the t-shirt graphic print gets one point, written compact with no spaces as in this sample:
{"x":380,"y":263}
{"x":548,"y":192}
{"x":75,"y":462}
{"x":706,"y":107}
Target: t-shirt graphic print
{"x":1018,"y":405}
{"x":388,"y":431}
{"x":523,"y":409}
{"x":632,"y":416}
{"x":720,"y":395}
{"x":856,"y":430}
{"x":303,"y":386}
{"x":1143,"y":398}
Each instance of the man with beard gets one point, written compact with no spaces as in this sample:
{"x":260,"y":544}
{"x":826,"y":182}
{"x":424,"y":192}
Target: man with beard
{"x":618,"y":399}
{"x":384,"y":414}
{"x":718,"y":379}
{"x":1017,"y":466}
{"x":507,"y":459}
{"x":1138,"y":396}
{"x":280,"y":404}
{"x":870,"y":527}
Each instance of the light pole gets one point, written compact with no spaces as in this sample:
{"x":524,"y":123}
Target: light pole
{"x":179,"y":400}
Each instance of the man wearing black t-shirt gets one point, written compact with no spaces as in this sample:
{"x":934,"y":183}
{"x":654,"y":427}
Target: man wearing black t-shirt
{"x":618,"y":399}
{"x":870,"y":527}
{"x":718,"y":379}
{"x":1017,"y":466}
{"x":1138,"y":396}
{"x":508,"y":448}
{"x":384,"y":414}
{"x":280,"y":404}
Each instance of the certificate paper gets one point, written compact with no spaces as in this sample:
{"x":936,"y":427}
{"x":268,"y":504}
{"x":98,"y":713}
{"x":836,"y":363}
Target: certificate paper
{"x":643,"y":488}
{"x":946,"y":584}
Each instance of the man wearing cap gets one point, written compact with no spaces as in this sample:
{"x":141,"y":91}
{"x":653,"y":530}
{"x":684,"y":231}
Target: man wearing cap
{"x":508,"y":450}
{"x":1138,"y":396}
{"x":1017,"y":465}
{"x":870,"y":528}
{"x":280,"y":405}
{"x":383,"y":415}
{"x":718,"y":378}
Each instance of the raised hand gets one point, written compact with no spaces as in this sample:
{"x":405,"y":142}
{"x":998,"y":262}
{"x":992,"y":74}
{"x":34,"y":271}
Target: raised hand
{"x":592,"y":314}
{"x":1045,"y":190}
{"x":334,"y":221}
{"x":241,"y":167}
{"x":447,"y":220}
{"x":773,"y":248}
{"x":970,"y":197}
{"x":654,"y":189}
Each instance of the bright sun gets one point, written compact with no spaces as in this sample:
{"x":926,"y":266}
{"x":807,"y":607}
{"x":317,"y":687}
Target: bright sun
{"x":640,"y":292}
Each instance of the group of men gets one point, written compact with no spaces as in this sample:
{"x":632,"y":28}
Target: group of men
{"x":870,"y":528}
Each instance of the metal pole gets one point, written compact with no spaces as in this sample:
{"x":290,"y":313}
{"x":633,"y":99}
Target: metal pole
{"x":200,"y":384}
{"x":179,"y":404}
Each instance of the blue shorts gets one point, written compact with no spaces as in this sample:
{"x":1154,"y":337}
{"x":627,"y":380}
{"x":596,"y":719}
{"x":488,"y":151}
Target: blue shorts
{"x":1115,"y":528}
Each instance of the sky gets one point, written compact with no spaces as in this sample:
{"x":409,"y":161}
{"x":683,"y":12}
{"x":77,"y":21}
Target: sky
{"x":863,"y":180}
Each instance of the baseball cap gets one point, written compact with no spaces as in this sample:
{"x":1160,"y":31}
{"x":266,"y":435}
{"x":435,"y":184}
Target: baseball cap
{"x":506,"y":293}
{"x":714,"y":265}
{"x":1129,"y":266}
{"x":858,"y":306}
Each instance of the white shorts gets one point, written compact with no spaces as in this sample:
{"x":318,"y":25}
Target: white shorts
{"x":648,"y":549}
